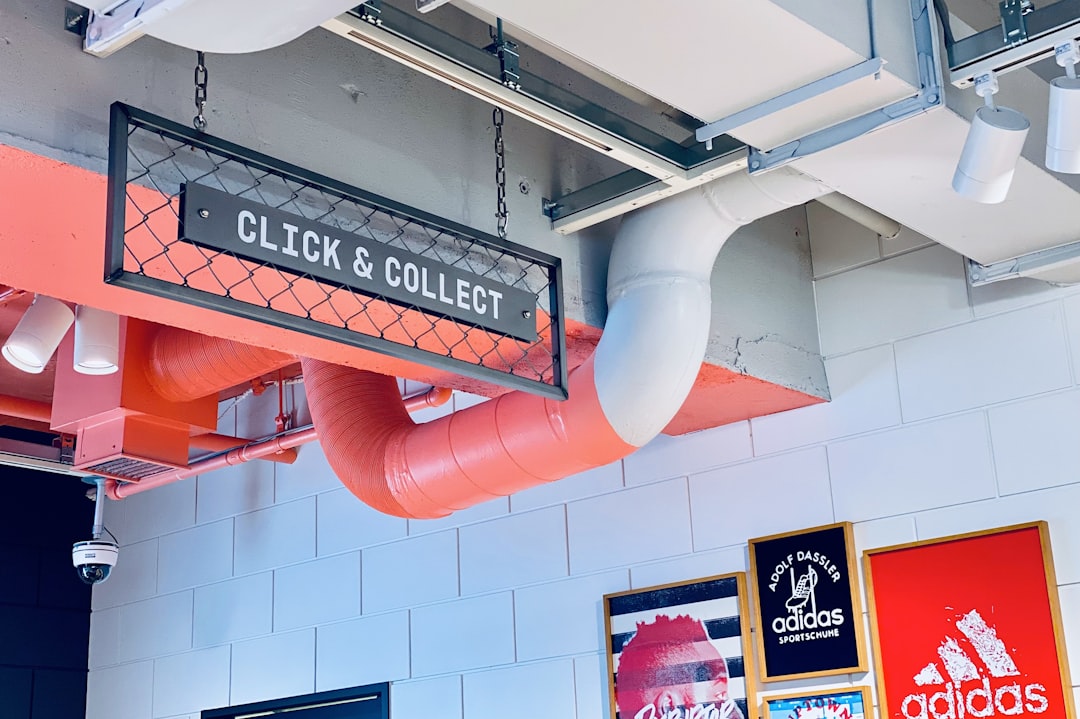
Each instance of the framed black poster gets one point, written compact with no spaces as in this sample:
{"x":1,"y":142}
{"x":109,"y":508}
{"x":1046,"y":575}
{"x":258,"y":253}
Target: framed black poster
{"x":807,"y":607}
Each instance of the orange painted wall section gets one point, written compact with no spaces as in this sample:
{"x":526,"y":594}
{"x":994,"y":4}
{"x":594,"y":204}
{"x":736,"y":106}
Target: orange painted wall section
{"x":52,"y":241}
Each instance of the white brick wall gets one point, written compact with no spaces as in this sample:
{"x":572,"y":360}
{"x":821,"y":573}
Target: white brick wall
{"x":953,"y":410}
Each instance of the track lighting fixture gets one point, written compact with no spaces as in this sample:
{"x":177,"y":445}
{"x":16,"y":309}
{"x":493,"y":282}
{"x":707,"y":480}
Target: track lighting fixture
{"x":97,"y":341}
{"x":1063,"y":126}
{"x":38,"y":334}
{"x":992,"y":148}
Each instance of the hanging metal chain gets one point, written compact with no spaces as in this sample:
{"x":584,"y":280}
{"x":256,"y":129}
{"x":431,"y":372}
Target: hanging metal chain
{"x":502,"y":215}
{"x":201,"y":78}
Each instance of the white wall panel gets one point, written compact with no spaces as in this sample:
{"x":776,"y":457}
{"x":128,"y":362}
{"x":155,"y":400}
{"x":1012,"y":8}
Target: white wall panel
{"x":601,"y":480}
{"x":235,"y":490}
{"x":124,"y":692}
{"x":104,"y":637}
{"x":133,"y":578}
{"x":1072,"y":327}
{"x":1005,"y":357}
{"x":1057,"y":506}
{"x":590,"y":684}
{"x":275,"y":536}
{"x":155,"y":627}
{"x":1070,"y":618}
{"x":1015,"y":294}
{"x":692,"y":566}
{"x":192,"y":681}
{"x":1035,"y":442}
{"x":529,"y":691}
{"x":412,"y":571}
{"x":346,"y":523}
{"x":487,"y":510}
{"x":199,"y":555}
{"x":317,"y":592}
{"x":362,"y":651}
{"x":906,"y":295}
{"x":309,"y":474}
{"x":794,"y":487}
{"x":281,"y":665}
{"x":635,"y":525}
{"x":237,"y":609}
{"x":152,"y":514}
{"x":564,"y":618}
{"x":440,"y":697}
{"x":864,"y":397}
{"x":515,"y":550}
{"x":917,"y":467}
{"x":666,"y":457}
{"x":462,"y":635}
{"x":837,"y":243}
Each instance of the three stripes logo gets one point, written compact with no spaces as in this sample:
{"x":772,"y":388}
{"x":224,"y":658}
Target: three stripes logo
{"x":955,"y":687}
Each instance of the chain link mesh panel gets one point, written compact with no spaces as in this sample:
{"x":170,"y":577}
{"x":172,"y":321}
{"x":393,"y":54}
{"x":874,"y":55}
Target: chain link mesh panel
{"x":151,"y":159}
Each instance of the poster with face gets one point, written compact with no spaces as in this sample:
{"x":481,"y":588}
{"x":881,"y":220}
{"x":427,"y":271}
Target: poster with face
{"x":806,"y":603}
{"x":681,"y":651}
{"x":969,"y":627}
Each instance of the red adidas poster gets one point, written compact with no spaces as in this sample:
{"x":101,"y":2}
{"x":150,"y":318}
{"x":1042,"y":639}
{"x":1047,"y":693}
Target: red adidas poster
{"x":969,"y":627}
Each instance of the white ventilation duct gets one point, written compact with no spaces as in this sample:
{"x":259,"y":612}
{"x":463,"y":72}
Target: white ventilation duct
{"x":239,"y":26}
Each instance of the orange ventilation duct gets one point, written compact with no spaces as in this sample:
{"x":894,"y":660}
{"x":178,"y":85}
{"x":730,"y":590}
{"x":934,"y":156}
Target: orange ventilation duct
{"x":184,"y":366}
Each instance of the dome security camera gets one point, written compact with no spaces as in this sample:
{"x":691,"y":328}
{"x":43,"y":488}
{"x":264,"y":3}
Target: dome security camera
{"x":94,"y":559}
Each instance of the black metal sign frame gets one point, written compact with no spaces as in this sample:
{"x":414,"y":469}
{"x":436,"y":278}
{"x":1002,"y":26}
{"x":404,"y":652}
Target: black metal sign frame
{"x":517,"y":368}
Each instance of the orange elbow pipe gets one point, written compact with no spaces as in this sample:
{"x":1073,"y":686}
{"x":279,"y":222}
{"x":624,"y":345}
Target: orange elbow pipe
{"x":434,"y":397}
{"x":429,"y":470}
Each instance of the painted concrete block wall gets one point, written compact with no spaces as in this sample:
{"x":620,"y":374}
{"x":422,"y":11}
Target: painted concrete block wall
{"x":953,"y":410}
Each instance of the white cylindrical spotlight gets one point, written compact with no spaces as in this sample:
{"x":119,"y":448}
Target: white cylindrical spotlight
{"x":38,"y":334}
{"x":97,"y":341}
{"x":1063,"y":129}
{"x":990,"y":154}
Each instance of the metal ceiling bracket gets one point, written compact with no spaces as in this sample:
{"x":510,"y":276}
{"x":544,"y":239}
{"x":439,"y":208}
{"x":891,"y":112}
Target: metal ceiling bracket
{"x":995,"y":51}
{"x":928,"y":97}
{"x":371,"y":11}
{"x":1013,"y":24}
{"x":1032,"y":263}
{"x":866,"y":68}
{"x":509,"y":58}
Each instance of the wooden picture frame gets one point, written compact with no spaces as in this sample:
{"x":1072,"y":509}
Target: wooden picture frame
{"x":793,"y":643}
{"x":847,"y":703}
{"x":688,"y":642}
{"x":982,"y":610}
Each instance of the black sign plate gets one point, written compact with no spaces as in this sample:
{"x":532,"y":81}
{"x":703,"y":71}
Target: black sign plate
{"x":809,"y":616}
{"x":291,"y":242}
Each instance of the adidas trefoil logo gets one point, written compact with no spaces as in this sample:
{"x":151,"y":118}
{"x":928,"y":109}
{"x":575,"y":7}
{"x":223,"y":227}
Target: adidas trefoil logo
{"x":988,"y":698}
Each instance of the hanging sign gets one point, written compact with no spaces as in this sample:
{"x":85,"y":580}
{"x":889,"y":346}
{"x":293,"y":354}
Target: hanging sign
{"x":808,"y":612}
{"x":294,"y":243}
